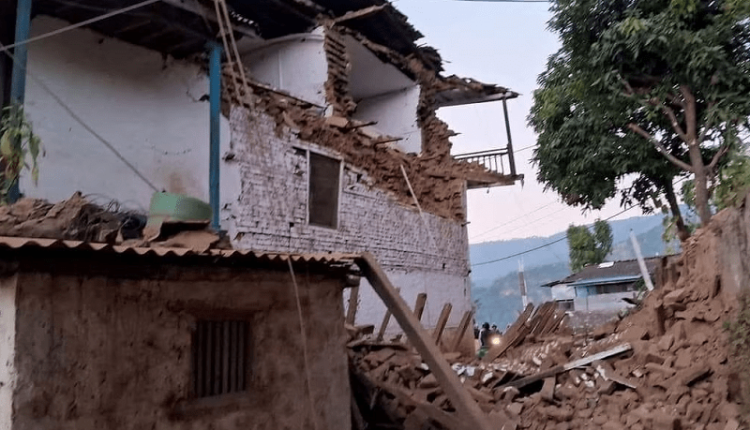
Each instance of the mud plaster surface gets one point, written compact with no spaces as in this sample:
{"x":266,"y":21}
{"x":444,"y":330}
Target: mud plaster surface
{"x":97,"y":353}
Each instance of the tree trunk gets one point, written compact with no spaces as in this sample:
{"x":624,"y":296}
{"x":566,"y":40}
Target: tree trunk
{"x":682,"y":231}
{"x":701,"y":184}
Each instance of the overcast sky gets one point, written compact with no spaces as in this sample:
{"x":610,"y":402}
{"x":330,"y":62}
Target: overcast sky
{"x":507,"y":44}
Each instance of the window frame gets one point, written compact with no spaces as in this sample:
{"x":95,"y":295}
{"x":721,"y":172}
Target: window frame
{"x":245,"y":364}
{"x":309,"y":189}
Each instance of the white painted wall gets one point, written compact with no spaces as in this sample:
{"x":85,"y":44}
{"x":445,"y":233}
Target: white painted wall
{"x":146,"y":107}
{"x":7,"y":349}
{"x":603,"y":302}
{"x":296,"y":64}
{"x":396,"y":114}
{"x":384,"y":94}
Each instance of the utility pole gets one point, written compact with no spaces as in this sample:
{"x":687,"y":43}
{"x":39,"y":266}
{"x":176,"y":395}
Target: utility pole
{"x":522,"y":284}
{"x":641,"y":262}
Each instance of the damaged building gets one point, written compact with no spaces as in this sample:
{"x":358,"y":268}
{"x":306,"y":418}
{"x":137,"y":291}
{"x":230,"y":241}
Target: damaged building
{"x":96,"y":336}
{"x":311,"y":126}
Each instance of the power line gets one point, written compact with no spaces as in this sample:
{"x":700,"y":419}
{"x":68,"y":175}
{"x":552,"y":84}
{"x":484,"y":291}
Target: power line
{"x":512,"y":221}
{"x":558,"y":240}
{"x":78,"y":25}
{"x":545,"y":245}
{"x":524,"y":148}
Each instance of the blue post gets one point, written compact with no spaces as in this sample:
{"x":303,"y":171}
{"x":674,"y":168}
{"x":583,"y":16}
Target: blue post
{"x":215,"y":110}
{"x":18,"y":78}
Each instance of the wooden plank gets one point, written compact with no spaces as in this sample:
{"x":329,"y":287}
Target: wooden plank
{"x":419,"y":305}
{"x":442,"y":321}
{"x":462,"y":327}
{"x":511,"y":336}
{"x":471,"y":417}
{"x":572,"y":365}
{"x":384,"y":324}
{"x":361,"y":13}
{"x":351,"y":311}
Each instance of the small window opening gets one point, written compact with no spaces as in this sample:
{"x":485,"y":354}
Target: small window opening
{"x":566,"y":305}
{"x":220,"y":358}
{"x":323,"y":199}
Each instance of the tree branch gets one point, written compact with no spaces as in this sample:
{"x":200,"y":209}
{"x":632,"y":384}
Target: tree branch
{"x":720,"y":153}
{"x":659,"y":147}
{"x":673,"y":119}
{"x":709,"y":123}
{"x":690,"y":115}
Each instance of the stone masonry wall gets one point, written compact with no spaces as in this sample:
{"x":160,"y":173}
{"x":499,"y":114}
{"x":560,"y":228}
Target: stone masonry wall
{"x":271,"y":214}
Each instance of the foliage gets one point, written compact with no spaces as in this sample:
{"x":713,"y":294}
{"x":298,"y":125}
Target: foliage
{"x":18,"y":146}
{"x":739,"y":345}
{"x":733,"y":182}
{"x":647,"y":90}
{"x":587,"y":247}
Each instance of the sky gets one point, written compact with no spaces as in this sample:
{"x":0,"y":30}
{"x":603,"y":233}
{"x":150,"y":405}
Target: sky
{"x":507,"y":44}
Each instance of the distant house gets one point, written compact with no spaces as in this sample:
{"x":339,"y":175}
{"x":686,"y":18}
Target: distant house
{"x":601,"y":288}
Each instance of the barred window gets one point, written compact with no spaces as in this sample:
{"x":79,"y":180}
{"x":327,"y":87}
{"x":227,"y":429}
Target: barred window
{"x":220,"y":357}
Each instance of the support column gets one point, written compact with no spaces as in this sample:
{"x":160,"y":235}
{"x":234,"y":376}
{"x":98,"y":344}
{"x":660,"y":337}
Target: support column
{"x":18,"y":78}
{"x":215,"y":135}
{"x":511,"y":156}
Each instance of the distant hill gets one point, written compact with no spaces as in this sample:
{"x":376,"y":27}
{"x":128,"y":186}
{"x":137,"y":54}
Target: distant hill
{"x":495,"y":289}
{"x":483,"y":276}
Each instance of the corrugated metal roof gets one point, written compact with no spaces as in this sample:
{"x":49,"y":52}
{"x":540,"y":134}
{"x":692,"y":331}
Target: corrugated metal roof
{"x":605,"y":281}
{"x":18,"y":243}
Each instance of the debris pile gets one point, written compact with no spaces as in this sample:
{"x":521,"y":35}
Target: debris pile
{"x":79,"y":219}
{"x":664,"y":366}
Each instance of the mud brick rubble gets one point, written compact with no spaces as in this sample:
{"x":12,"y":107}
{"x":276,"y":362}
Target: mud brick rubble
{"x":674,"y":373}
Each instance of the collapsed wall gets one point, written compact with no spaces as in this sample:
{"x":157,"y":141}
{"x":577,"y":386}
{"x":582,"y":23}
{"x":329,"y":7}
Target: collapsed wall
{"x":666,"y":365}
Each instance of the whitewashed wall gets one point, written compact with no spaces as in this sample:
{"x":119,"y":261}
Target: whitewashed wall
{"x":296,"y":65}
{"x":148,"y":108}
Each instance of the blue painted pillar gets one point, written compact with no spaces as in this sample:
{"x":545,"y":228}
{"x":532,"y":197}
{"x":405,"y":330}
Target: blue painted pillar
{"x":18,"y":78}
{"x":215,"y":138}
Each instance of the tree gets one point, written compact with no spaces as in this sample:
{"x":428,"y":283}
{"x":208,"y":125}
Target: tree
{"x":642,"y":90}
{"x":589,"y":248}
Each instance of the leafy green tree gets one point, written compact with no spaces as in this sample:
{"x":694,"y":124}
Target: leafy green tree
{"x":587,"y":247}
{"x":642,"y":91}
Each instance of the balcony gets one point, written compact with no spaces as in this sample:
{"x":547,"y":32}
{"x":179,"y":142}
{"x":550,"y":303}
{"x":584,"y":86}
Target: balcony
{"x":499,"y":168}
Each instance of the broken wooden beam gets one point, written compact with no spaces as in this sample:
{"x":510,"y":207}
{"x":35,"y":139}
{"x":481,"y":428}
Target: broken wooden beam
{"x":419,"y":305}
{"x":462,"y":327}
{"x":351,"y":312}
{"x":571,"y":365}
{"x":471,"y":416}
{"x":442,"y":321}
{"x":511,"y":336}
{"x":361,"y":13}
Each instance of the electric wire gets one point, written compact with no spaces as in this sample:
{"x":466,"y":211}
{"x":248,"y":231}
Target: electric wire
{"x":78,"y":119}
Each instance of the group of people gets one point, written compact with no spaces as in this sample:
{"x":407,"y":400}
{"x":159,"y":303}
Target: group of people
{"x":485,"y":335}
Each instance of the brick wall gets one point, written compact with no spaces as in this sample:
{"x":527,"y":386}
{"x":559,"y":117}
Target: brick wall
{"x":271,"y":214}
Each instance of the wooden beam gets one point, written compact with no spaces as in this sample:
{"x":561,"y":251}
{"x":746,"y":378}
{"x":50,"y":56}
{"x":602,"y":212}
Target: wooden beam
{"x":362,"y":13}
{"x":462,"y":327}
{"x":513,"y":334}
{"x":351,"y":311}
{"x":442,"y":321}
{"x":386,"y":321}
{"x":471,"y":417}
{"x":419,"y":305}
{"x":572,"y":365}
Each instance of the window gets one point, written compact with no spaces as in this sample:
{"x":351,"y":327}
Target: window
{"x":566,"y":305}
{"x":220,"y":357}
{"x":323,"y":199}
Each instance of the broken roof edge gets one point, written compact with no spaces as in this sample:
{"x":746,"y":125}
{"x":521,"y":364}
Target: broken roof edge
{"x":10,"y":243}
{"x":458,"y":91}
